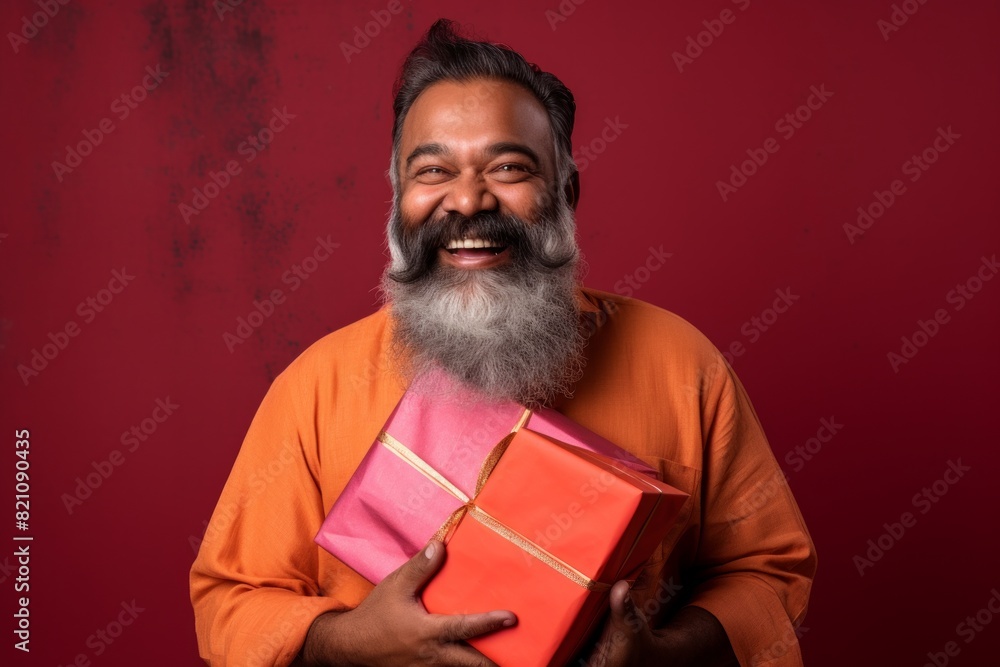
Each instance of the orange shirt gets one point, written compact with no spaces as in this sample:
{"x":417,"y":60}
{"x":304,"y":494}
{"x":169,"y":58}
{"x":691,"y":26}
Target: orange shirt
{"x":653,"y":385}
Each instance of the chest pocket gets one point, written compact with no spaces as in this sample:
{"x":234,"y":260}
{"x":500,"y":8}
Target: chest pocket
{"x":683,"y":478}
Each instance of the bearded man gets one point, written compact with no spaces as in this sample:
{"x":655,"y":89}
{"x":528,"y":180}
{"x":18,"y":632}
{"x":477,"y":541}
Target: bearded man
{"x":484,"y":285}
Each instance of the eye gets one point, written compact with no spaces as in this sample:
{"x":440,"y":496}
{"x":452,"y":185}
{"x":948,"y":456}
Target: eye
{"x":512,"y":172}
{"x":431,"y":175}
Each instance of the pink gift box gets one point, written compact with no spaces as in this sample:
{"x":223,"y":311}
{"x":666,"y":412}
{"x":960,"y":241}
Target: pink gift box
{"x":389,"y":509}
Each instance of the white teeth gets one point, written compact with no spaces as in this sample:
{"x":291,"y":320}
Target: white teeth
{"x":470,"y":243}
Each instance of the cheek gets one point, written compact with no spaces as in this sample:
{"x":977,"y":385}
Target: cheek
{"x":418,"y":205}
{"x":524,"y":202}
{"x":537,"y":203}
{"x":543,"y":201}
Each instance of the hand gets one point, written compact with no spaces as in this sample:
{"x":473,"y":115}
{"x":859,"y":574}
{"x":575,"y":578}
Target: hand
{"x":627,"y":639}
{"x":391,"y":626}
{"x":692,"y":636}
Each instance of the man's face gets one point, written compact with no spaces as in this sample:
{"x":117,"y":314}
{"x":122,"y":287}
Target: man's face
{"x":482,"y":281}
{"x":470,"y":147}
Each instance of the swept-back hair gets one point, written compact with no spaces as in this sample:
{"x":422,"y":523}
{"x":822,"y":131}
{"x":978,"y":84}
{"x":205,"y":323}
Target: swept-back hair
{"x":445,"y":55}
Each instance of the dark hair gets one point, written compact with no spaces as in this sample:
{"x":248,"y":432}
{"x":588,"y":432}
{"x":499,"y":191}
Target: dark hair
{"x":444,"y":55}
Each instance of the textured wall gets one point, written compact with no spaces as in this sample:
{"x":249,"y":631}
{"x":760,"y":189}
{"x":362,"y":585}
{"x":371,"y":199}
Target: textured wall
{"x":96,"y":183}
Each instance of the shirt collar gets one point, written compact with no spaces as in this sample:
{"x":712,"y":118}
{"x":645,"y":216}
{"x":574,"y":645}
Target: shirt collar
{"x":586,"y":302}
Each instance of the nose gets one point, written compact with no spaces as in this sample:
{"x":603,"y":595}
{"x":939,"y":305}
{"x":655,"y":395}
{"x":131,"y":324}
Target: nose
{"x":469,"y":194}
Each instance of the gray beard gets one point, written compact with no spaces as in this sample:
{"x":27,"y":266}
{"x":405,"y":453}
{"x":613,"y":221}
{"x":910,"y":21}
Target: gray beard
{"x":509,"y":333}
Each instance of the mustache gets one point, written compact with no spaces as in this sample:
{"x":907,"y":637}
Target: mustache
{"x":527,"y":242}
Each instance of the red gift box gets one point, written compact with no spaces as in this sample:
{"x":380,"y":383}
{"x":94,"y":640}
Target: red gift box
{"x":551,"y":529}
{"x":425,"y":464}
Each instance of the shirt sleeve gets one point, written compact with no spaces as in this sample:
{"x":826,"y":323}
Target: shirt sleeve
{"x":254,"y":582}
{"x":756,"y":560}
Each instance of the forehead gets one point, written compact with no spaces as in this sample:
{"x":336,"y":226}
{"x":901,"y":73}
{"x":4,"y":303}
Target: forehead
{"x":469,"y":115}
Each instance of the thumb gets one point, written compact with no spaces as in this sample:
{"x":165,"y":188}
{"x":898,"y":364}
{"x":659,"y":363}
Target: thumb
{"x":624,"y":614}
{"x":414,"y":574}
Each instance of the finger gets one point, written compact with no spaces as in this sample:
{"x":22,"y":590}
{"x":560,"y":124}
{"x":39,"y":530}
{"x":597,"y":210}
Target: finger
{"x":618,"y":596}
{"x":619,"y":631}
{"x":414,"y":574}
{"x":624,"y":613}
{"x":459,"y":627}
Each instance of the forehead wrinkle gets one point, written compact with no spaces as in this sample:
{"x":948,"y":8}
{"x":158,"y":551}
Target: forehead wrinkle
{"x":438,"y":116}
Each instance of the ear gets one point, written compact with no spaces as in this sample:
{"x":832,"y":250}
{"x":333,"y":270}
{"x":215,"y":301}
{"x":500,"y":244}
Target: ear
{"x":572,"y":188}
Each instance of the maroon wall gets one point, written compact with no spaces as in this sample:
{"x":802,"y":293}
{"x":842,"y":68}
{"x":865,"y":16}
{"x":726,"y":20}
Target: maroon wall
{"x":663,"y":133}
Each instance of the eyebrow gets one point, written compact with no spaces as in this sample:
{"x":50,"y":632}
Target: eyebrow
{"x":492,"y":151}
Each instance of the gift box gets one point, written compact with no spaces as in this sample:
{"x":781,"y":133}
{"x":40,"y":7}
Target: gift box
{"x":426,"y":463}
{"x":551,"y":530}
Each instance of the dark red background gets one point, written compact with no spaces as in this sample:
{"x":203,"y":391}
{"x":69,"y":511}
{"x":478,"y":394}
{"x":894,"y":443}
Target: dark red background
{"x":654,"y":185}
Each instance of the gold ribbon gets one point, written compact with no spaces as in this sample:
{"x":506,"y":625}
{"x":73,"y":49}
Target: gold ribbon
{"x":522,"y":421}
{"x":405,"y":453}
{"x":469,"y":508}
{"x":563,"y":568}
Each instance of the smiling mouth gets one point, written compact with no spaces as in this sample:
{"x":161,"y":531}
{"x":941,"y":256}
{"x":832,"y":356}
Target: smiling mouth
{"x":474,"y":247}
{"x":474,"y":253}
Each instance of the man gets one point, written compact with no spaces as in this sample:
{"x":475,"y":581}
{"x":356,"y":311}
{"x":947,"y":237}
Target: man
{"x":483,"y":283}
